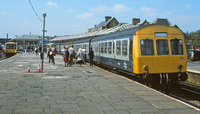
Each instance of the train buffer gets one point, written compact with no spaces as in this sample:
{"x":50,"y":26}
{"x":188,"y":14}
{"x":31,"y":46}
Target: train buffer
{"x":76,"y":89}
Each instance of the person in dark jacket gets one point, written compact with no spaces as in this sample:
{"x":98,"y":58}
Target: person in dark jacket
{"x":66,"y":56}
{"x":91,"y":54}
{"x":49,"y":54}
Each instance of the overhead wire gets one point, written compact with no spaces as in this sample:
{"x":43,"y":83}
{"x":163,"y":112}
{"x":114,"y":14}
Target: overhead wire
{"x":35,"y":11}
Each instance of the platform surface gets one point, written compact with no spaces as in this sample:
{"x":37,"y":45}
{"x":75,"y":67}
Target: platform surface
{"x":193,"y":66}
{"x":76,"y":90}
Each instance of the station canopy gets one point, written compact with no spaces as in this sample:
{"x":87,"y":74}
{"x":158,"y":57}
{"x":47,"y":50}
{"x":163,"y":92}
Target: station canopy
{"x":29,"y":37}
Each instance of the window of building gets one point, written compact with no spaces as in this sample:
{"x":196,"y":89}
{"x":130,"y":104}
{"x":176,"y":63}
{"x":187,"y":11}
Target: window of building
{"x":162,"y":47}
{"x":147,"y":47}
{"x":176,"y":47}
{"x":118,"y":47}
{"x":124,"y":47}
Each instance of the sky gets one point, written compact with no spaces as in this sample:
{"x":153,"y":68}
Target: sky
{"x":68,"y":17}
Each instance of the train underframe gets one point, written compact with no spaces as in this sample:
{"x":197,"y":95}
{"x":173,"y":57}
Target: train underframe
{"x":164,"y":81}
{"x":10,"y":54}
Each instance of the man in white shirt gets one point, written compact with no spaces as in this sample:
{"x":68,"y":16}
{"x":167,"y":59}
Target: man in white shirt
{"x":84,"y":55}
{"x":71,"y":54}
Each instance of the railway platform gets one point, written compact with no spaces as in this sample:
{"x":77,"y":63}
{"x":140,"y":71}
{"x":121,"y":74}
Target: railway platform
{"x":76,"y":90}
{"x":193,"y":66}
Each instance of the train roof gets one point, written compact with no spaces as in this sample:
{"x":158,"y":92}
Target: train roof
{"x":119,"y":30}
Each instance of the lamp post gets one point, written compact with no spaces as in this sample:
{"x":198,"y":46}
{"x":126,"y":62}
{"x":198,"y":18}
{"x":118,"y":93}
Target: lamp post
{"x":42,"y":54}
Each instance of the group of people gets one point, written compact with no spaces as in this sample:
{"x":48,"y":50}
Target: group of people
{"x":69,"y":55}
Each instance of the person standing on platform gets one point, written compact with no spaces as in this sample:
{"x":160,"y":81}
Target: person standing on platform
{"x":80,"y":56}
{"x":71,"y":54}
{"x":91,"y":54}
{"x":84,"y":55}
{"x":53,"y":50}
{"x":36,"y":50}
{"x":48,"y":51}
{"x":66,"y":56}
{"x":50,"y":55}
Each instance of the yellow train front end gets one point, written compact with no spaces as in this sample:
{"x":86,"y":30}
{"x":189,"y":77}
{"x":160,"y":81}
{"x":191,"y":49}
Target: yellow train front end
{"x":159,"y":53}
{"x":10,"y":48}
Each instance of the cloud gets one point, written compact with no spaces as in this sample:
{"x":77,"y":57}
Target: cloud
{"x":188,"y":6}
{"x":145,"y":9}
{"x":2,"y":13}
{"x":99,"y":8}
{"x":119,"y":8}
{"x":52,"y":4}
{"x":71,"y":10}
{"x":84,"y":16}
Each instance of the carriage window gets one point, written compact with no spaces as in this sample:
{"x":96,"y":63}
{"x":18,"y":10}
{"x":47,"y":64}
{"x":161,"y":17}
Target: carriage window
{"x":96,"y":47}
{"x":162,"y":47}
{"x":105,"y":48}
{"x":113,"y":47}
{"x":177,"y":47}
{"x":99,"y":47}
{"x":118,"y":47}
{"x":102,"y":46}
{"x":147,"y":47}
{"x":124,"y":47}
{"x":109,"y":47}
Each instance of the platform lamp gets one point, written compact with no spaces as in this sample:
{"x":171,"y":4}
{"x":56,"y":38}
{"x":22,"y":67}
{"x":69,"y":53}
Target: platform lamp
{"x":42,"y":54}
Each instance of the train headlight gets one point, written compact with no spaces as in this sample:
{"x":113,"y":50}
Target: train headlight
{"x":145,"y":67}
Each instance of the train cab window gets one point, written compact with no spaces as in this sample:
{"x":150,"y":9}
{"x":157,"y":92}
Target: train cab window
{"x":162,"y":47}
{"x":109,"y":47}
{"x":124,"y":47}
{"x":177,"y":47}
{"x":105,"y":48}
{"x":118,"y":47}
{"x":147,"y":47}
{"x":10,"y":46}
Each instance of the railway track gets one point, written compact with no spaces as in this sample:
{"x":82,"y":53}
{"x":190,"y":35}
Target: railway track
{"x":189,"y":93}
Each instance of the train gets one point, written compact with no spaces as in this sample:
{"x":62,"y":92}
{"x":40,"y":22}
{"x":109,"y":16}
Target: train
{"x":10,"y":48}
{"x":153,"y":52}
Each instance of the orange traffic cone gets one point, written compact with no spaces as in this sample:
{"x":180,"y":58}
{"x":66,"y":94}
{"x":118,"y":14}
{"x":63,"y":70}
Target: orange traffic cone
{"x":28,"y":68}
{"x":39,"y":68}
